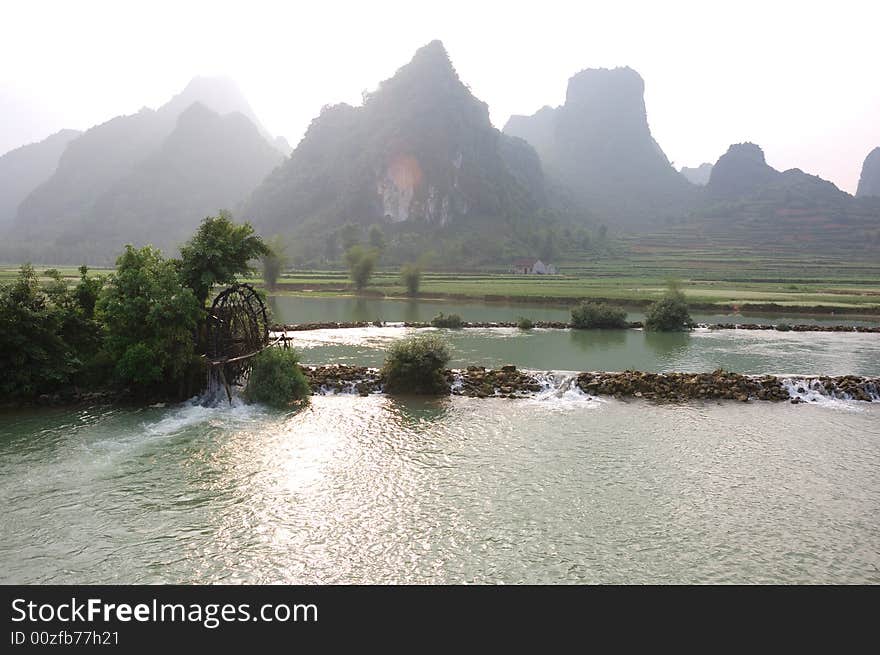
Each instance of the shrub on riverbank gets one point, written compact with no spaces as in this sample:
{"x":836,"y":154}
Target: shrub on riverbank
{"x":452,"y":321}
{"x":276,"y":379}
{"x":417,"y":365}
{"x":597,"y":315}
{"x":669,"y":314}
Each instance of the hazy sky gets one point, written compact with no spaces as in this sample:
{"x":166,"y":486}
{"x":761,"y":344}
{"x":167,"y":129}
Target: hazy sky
{"x":800,"y":78}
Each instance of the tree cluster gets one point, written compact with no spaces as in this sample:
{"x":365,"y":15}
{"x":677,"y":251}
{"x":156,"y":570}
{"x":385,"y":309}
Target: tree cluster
{"x":138,"y":328}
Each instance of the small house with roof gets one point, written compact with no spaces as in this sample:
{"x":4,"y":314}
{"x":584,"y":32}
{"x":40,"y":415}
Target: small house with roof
{"x":531,"y":266}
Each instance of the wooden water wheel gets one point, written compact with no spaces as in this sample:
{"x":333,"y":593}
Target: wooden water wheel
{"x":237,"y":328}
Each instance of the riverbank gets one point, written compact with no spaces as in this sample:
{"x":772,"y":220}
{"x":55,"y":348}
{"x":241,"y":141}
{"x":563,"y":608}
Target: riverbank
{"x":560,"y":325}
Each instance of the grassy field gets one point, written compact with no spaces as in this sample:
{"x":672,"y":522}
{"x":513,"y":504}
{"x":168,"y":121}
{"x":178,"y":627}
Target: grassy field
{"x":731,"y":279}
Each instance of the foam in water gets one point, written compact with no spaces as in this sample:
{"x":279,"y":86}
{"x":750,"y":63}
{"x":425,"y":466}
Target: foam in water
{"x":561,"y":386}
{"x":812,"y":390}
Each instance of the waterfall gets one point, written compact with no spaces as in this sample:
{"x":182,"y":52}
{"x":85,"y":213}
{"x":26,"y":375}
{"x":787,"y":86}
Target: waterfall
{"x":218,"y":392}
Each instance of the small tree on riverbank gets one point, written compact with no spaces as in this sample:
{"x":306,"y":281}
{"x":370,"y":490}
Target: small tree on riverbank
{"x":417,"y":365}
{"x":361,"y":263}
{"x":670,"y":313}
{"x":411,"y":276}
{"x":274,"y":261}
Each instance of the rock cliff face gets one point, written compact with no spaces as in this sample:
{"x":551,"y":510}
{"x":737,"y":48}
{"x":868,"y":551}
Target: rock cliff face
{"x":420,"y":149}
{"x":869,"y":182}
{"x":599,"y":145}
{"x":699,"y":175}
{"x":24,"y":169}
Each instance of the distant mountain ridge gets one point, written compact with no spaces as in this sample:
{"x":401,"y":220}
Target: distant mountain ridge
{"x":91,"y":198}
{"x":748,"y":201}
{"x":421,"y":157}
{"x":208,"y":162}
{"x":25,"y":168}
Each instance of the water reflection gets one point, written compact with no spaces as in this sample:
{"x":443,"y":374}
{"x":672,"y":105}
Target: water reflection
{"x":300,"y":309}
{"x":588,"y":340}
{"x":667,"y":343}
{"x":412,"y":311}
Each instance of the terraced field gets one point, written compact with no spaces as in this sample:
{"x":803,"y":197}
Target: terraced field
{"x":708,"y":279}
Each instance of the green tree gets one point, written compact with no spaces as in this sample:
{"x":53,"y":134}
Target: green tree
{"x":87,"y":291}
{"x":33,"y":356}
{"x":411,"y":276}
{"x":274,"y":261}
{"x":218,"y":252}
{"x":150,"y":320}
{"x":361,"y":263}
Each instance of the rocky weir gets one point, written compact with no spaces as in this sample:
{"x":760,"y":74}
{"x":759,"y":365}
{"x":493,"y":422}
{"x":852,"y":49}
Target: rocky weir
{"x":561,"y":325}
{"x":510,"y":382}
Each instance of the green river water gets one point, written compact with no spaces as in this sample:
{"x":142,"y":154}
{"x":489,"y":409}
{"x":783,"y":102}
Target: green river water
{"x":560,"y":488}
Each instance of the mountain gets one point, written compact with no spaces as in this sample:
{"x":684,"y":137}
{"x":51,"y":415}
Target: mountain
{"x":748,"y":203}
{"x":420,"y":151}
{"x":699,"y":175}
{"x":599,"y":145}
{"x":741,"y":171}
{"x":25,"y":168}
{"x":869,"y":182}
{"x":95,"y":178}
{"x":207,"y":163}
{"x":222,"y":95}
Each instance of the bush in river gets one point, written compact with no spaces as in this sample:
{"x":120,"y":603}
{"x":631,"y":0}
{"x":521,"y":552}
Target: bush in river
{"x":525,"y":323}
{"x":417,"y":365}
{"x":597,"y":315}
{"x":451,"y":321}
{"x":669,"y":314}
{"x":783,"y":327}
{"x":276,"y":379}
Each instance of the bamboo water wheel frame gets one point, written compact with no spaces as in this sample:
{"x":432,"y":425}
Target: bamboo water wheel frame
{"x":237,"y":329}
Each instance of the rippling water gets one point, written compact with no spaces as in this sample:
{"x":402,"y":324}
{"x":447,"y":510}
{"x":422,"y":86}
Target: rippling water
{"x":372,"y":490}
{"x":557,"y":489}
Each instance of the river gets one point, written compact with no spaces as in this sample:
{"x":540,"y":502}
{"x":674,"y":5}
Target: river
{"x":556,"y":489}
